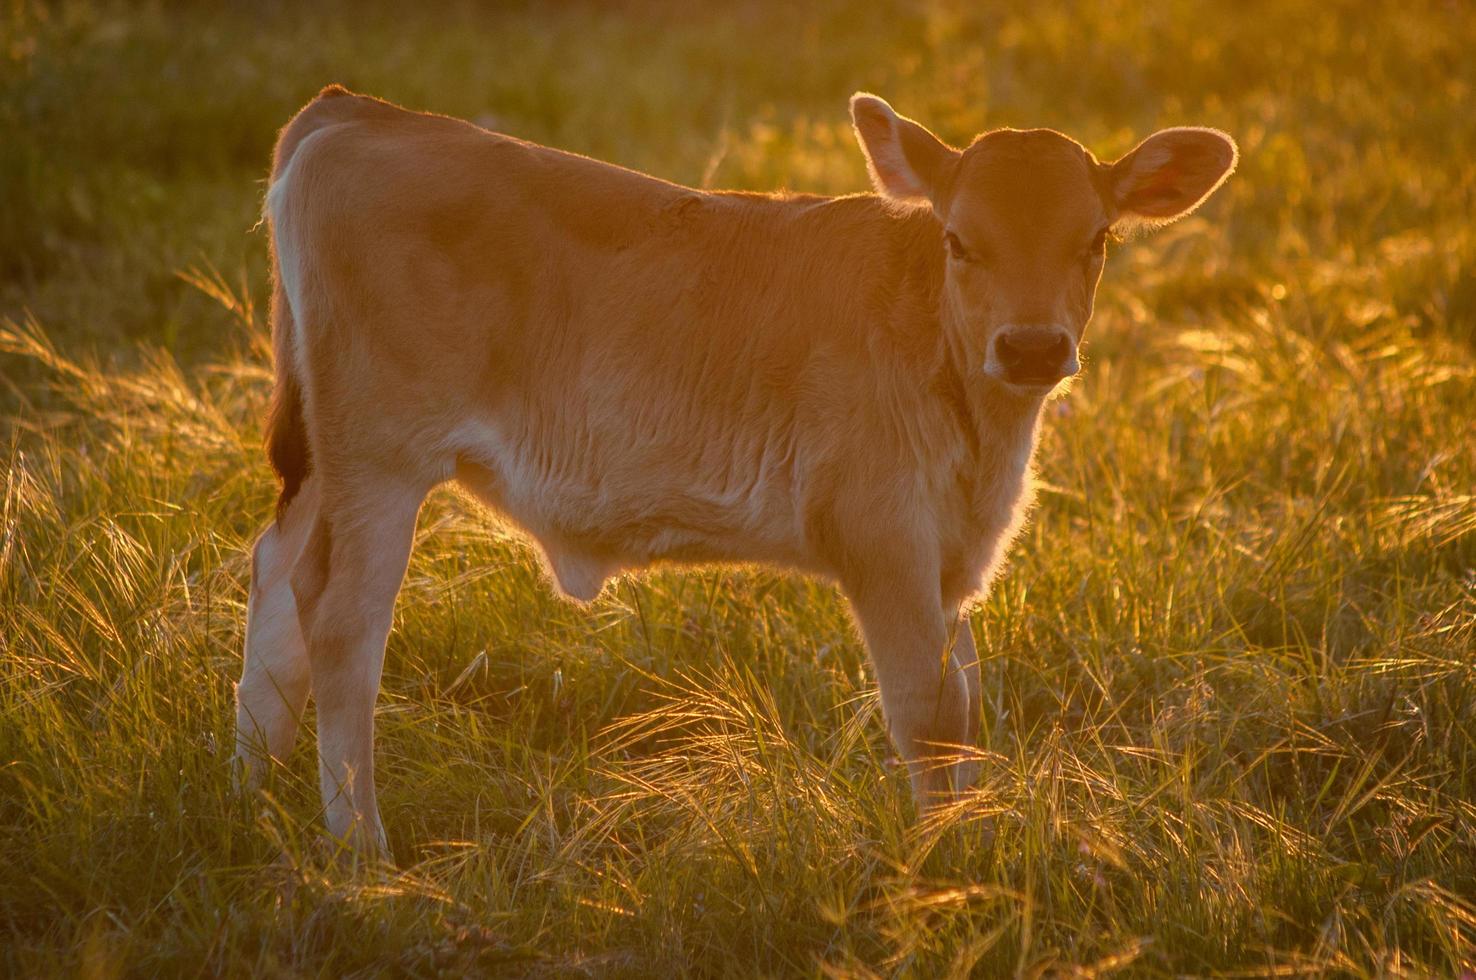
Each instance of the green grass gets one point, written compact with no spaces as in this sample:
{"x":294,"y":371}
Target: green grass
{"x":1230,"y":680}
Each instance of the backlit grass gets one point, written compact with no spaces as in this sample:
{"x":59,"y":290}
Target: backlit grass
{"x":1230,"y":680}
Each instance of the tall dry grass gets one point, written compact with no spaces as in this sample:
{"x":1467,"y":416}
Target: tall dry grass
{"x":1231,"y":692}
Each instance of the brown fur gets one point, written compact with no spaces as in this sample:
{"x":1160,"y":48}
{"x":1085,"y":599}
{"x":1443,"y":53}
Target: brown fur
{"x":633,"y":371}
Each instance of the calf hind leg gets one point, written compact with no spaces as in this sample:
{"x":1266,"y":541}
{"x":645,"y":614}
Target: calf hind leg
{"x":345,"y":584}
{"x":274,"y":678}
{"x":966,"y":661}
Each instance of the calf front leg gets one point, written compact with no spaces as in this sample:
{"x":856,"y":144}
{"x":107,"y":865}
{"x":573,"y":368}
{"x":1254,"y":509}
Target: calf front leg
{"x":924,"y":688}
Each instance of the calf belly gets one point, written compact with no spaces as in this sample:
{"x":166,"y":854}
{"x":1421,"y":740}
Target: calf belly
{"x":594,"y":527}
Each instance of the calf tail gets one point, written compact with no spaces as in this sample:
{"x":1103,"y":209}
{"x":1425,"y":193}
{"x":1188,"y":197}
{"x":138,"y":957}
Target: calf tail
{"x":286,"y":427}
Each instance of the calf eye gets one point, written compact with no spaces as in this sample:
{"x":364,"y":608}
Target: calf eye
{"x":955,"y":247}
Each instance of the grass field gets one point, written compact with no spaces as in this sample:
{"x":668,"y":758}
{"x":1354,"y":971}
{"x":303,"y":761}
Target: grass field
{"x":1229,"y":671}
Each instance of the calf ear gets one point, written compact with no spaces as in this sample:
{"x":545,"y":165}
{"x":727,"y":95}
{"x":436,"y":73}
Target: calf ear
{"x":906,"y":161}
{"x":1171,"y":172}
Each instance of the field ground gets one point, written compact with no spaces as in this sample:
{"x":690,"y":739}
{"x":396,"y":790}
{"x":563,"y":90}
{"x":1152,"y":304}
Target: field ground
{"x":1230,"y":682}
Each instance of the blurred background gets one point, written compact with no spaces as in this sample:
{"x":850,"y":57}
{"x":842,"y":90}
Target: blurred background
{"x":137,"y":135}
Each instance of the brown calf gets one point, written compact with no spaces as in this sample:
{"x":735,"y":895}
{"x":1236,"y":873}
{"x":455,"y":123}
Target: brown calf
{"x":633,"y":371}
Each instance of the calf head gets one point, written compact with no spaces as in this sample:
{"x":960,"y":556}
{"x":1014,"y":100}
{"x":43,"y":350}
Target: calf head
{"x":1025,"y":216}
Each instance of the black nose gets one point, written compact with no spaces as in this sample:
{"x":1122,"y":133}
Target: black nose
{"x":1034,"y":355}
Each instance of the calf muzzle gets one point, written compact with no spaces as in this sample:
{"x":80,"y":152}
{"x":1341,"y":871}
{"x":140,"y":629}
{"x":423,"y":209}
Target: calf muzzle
{"x":1035,"y":356}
